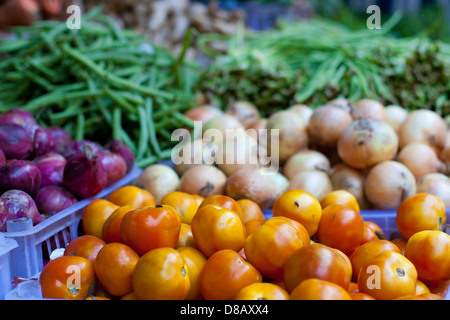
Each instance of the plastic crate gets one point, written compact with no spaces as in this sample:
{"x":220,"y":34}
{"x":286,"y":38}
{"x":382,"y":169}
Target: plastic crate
{"x":6,"y":246}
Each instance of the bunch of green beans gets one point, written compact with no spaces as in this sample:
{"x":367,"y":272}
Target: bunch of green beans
{"x":99,"y":82}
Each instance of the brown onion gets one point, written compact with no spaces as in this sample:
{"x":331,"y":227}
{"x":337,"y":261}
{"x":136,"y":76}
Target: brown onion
{"x":254,"y":130}
{"x":366,"y":143}
{"x":203,"y":180}
{"x":245,"y":112}
{"x":223,"y":123}
{"x":342,"y":103}
{"x":306,"y":160}
{"x":421,"y":159}
{"x":159,"y":180}
{"x":344,"y":177}
{"x":423,"y":126}
{"x":396,"y":115}
{"x":280,"y":182}
{"x":304,"y":111}
{"x":203,"y":113}
{"x":368,"y":109}
{"x":327,"y":124}
{"x":388,"y":184}
{"x":315,"y":182}
{"x":437,"y":184}
{"x":201,"y":151}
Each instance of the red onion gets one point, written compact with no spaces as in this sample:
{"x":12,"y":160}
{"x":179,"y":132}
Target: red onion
{"x":43,"y":142}
{"x":114,"y":164}
{"x":15,"y":142}
{"x":53,"y":199}
{"x":60,"y":137}
{"x":2,"y":158}
{"x":51,"y":166}
{"x":15,"y":204}
{"x":118,"y":147}
{"x":77,"y":147}
{"x":19,"y":117}
{"x":21,"y":175}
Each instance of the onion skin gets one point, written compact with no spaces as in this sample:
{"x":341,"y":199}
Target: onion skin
{"x":421,"y":159}
{"x":437,"y":184}
{"x":53,"y":199}
{"x":315,"y":182}
{"x":22,"y":175}
{"x":306,"y":160}
{"x":203,"y":180}
{"x":51,"y":166}
{"x":114,"y":165}
{"x":368,"y":109}
{"x":159,"y":180}
{"x":117,"y":146}
{"x":15,"y":142}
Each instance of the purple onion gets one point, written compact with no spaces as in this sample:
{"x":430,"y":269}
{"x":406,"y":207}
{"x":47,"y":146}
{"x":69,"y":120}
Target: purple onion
{"x":2,"y":158}
{"x":61,"y":138}
{"x":43,"y":142}
{"x":15,"y":204}
{"x":15,"y":142}
{"x":114,"y":164}
{"x":118,"y":147}
{"x":77,"y":147}
{"x":53,"y":199}
{"x":51,"y":166}
{"x":20,"y":174}
{"x":19,"y":117}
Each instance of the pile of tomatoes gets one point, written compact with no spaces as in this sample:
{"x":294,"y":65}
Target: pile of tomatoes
{"x":216,"y":248}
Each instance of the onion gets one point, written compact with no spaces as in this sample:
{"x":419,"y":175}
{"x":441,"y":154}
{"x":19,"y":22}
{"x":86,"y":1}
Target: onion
{"x":245,"y":112}
{"x":423,"y":126}
{"x":114,"y":165}
{"x":223,"y":123}
{"x":51,"y":166}
{"x":16,"y":204}
{"x":84,"y":175}
{"x":21,"y":175}
{"x":327,"y":124}
{"x":306,"y":160}
{"x":15,"y":142}
{"x":255,"y":129}
{"x":19,"y":117}
{"x":341,"y":103}
{"x":203,"y":113}
{"x":60,"y":137}
{"x":203,"y":180}
{"x":117,"y":146}
{"x":396,"y":115}
{"x":315,"y":182}
{"x":368,"y":109}
{"x":365,"y":143}
{"x":195,"y":152}
{"x":437,"y":184}
{"x":252,"y":184}
{"x":280,"y":182}
{"x":292,"y":137}
{"x":304,"y":111}
{"x":53,"y":199}
{"x":2,"y":158}
{"x":421,"y":159}
{"x":77,"y":147}
{"x":388,"y":184}
{"x":159,"y":180}
{"x":43,"y":142}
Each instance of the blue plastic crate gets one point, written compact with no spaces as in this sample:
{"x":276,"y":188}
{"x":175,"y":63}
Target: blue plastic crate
{"x":6,"y":246}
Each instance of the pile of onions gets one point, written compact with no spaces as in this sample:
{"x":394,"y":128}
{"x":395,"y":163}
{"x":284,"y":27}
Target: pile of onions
{"x":396,"y":115}
{"x":421,"y":159}
{"x":204,"y":180}
{"x":245,"y":112}
{"x":437,"y":184}
{"x":53,"y":199}
{"x":388,"y":184}
{"x":203,"y":113}
{"x":159,"y":180}
{"x":366,"y":143}
{"x":327,"y":124}
{"x":51,"y":166}
{"x":315,"y":182}
{"x":304,"y":111}
{"x":306,"y":160}
{"x":77,"y":147}
{"x":344,"y":177}
{"x":368,"y":109}
{"x":198,"y":151}
{"x":22,"y":175}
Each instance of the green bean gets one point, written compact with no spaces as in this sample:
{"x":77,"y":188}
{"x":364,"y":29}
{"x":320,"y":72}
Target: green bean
{"x":143,"y":142}
{"x":151,"y":127}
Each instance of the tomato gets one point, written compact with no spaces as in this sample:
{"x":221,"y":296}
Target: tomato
{"x":186,"y":238}
{"x":352,"y":287}
{"x":111,"y":228}
{"x":129,"y":296}
{"x":199,"y":199}
{"x":94,"y":216}
{"x":305,"y":235}
{"x":420,"y":212}
{"x":372,"y":232}
{"x":278,"y":235}
{"x":317,"y":261}
{"x":361,"y":296}
{"x":67,"y":277}
{"x":195,"y":261}
{"x":252,"y":225}
{"x":300,"y":206}
{"x":317,"y":289}
{"x":114,"y":268}
{"x":86,"y":246}
{"x":147,"y":228}
{"x":429,"y":251}
{"x":224,"y":274}
{"x":250,"y":210}
{"x":132,"y":196}
{"x":423,"y":296}
{"x":421,"y":288}
{"x":440,"y":288}
{"x":161,"y":274}
{"x":387,"y":276}
{"x":340,"y":227}
{"x":369,"y":250}
{"x":341,"y":197}
{"x":224,"y":202}
{"x":185,"y":204}
{"x":262,"y":291}
{"x":216,"y":228}
{"x":400,"y":243}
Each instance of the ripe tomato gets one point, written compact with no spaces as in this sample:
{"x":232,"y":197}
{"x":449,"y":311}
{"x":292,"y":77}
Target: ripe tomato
{"x":400,"y":243}
{"x":440,"y":288}
{"x":184,"y":204}
{"x":132,"y":196}
{"x":361,"y":296}
{"x":199,"y":199}
{"x":250,"y":210}
{"x":317,"y":261}
{"x":369,"y":250}
{"x":67,"y":277}
{"x":129,"y":296}
{"x":423,"y":296}
{"x":147,"y":228}
{"x":420,"y":212}
{"x":224,"y":202}
{"x":186,"y":238}
{"x":262,"y":291}
{"x":421,"y":288}
{"x":387,"y":276}
{"x":111,"y":228}
{"x":278,"y":235}
{"x":216,"y":228}
{"x":341,"y":197}
{"x":86,"y":246}
{"x":114,"y":268}
{"x":224,"y":274}
{"x":429,"y":252}
{"x":300,"y":206}
{"x":305,"y":235}
{"x":195,"y":261}
{"x":340,"y":227}
{"x":161,"y":274}
{"x":352,"y":287}
{"x":94,"y":216}
{"x":317,"y":289}
{"x":252,"y":225}
{"x":372,"y":232}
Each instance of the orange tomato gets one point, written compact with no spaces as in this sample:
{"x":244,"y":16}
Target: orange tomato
{"x":300,"y":206}
{"x":423,"y":296}
{"x":342,"y":197}
{"x":282,"y":237}
{"x":305,"y":235}
{"x":262,"y":291}
{"x":440,"y":288}
{"x":86,"y":246}
{"x":224,"y":274}
{"x":67,"y":277}
{"x":132,"y":196}
{"x":400,"y":243}
{"x":111,"y":228}
{"x":421,"y":288}
{"x":147,"y":228}
{"x":186,"y":238}
{"x":352,"y":287}
{"x":195,"y":261}
{"x":317,"y":261}
{"x":429,"y":252}
{"x":184,"y":204}
{"x":387,"y":276}
{"x":161,"y":274}
{"x":317,"y":289}
{"x":250,"y":210}
{"x":372,"y":232}
{"x":216,"y":228}
{"x":340,"y":227}
{"x":199,"y":199}
{"x":114,"y":268}
{"x":252,"y":225}
{"x":129,"y":296}
{"x":224,"y":202}
{"x":361,"y":296}
{"x":94,"y":216}
{"x":420,"y":212}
